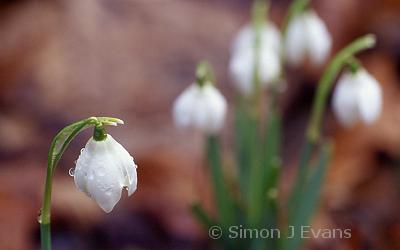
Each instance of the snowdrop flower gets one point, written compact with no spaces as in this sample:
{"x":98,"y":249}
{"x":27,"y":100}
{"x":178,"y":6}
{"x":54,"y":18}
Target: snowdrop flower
{"x":202,"y":107}
{"x":242,"y":62}
{"x":307,"y":36}
{"x":103,"y":169}
{"x":357,"y":96}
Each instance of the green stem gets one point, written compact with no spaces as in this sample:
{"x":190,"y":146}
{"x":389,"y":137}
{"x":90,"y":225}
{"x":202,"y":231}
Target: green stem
{"x":258,"y":12}
{"x":57,"y":148}
{"x":326,"y":82}
{"x":204,"y":73}
{"x":313,"y":133}
{"x":295,"y":9}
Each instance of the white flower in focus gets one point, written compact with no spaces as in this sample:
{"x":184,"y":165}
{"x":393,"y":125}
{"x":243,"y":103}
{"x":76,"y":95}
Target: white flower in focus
{"x":201,"y":107}
{"x":307,"y":36}
{"x":358,"y":96}
{"x":242,"y":62}
{"x":103,"y":169}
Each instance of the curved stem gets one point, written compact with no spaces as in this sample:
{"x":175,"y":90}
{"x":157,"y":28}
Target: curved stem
{"x":57,"y":148}
{"x":326,"y":82}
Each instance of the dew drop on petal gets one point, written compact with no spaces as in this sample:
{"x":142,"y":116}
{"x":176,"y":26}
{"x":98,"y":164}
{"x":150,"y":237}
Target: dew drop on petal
{"x":71,"y":172}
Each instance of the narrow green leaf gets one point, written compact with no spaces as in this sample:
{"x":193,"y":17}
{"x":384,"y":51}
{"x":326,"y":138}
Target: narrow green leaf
{"x":309,"y":199}
{"x":201,"y":215}
{"x":223,"y":200}
{"x":272,"y":159}
{"x":301,"y":176}
{"x":245,"y":144}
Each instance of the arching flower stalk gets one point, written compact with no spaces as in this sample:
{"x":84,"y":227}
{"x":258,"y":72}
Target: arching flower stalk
{"x":103,"y":169}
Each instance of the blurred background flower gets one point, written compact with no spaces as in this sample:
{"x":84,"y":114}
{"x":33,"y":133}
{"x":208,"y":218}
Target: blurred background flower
{"x":61,"y":61}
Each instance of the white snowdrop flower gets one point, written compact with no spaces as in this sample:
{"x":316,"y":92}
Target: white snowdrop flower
{"x":242,"y":62}
{"x":358,"y":96}
{"x":270,"y":37}
{"x":103,"y":169}
{"x":200,"y":107}
{"x":307,"y":36}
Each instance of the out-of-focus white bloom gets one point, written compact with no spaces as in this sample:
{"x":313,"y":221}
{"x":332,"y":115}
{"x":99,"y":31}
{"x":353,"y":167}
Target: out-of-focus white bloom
{"x":201,"y":107}
{"x":307,"y":36}
{"x":242,"y":62}
{"x":358,"y":96}
{"x":103,"y":169}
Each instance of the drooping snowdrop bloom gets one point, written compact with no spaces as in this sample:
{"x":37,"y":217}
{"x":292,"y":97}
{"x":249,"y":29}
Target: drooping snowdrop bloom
{"x":201,"y":107}
{"x":357,"y":97}
{"x":103,"y":169}
{"x":307,"y":37}
{"x":243,"y":59}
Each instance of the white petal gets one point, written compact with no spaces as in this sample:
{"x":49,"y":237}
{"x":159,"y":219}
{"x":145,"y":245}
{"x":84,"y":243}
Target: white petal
{"x":183,"y":107}
{"x":241,"y":70}
{"x":213,"y":110}
{"x":270,"y":66}
{"x":345,"y":100}
{"x":319,"y":40}
{"x":124,"y":161}
{"x":81,"y":171}
{"x":296,"y":41}
{"x":370,"y":97}
{"x":97,"y":174}
{"x":203,"y":108}
{"x":241,"y":65}
{"x":270,"y":37}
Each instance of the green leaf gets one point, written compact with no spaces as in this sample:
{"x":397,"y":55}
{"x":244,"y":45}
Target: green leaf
{"x":245,"y":145}
{"x":223,"y":199}
{"x":201,"y":215}
{"x":301,"y":176}
{"x":272,"y":150}
{"x":309,"y":197}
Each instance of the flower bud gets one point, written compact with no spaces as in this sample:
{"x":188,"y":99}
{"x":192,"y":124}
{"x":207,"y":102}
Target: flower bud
{"x":200,"y":107}
{"x":357,"y":97}
{"x":242,"y":63}
{"x":103,"y":169}
{"x":307,"y":36}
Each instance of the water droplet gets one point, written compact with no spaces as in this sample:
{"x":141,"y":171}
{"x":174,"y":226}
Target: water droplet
{"x":71,"y":172}
{"x":39,"y":218}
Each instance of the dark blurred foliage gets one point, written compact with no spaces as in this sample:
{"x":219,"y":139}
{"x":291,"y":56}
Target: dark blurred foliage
{"x":65,"y":60}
